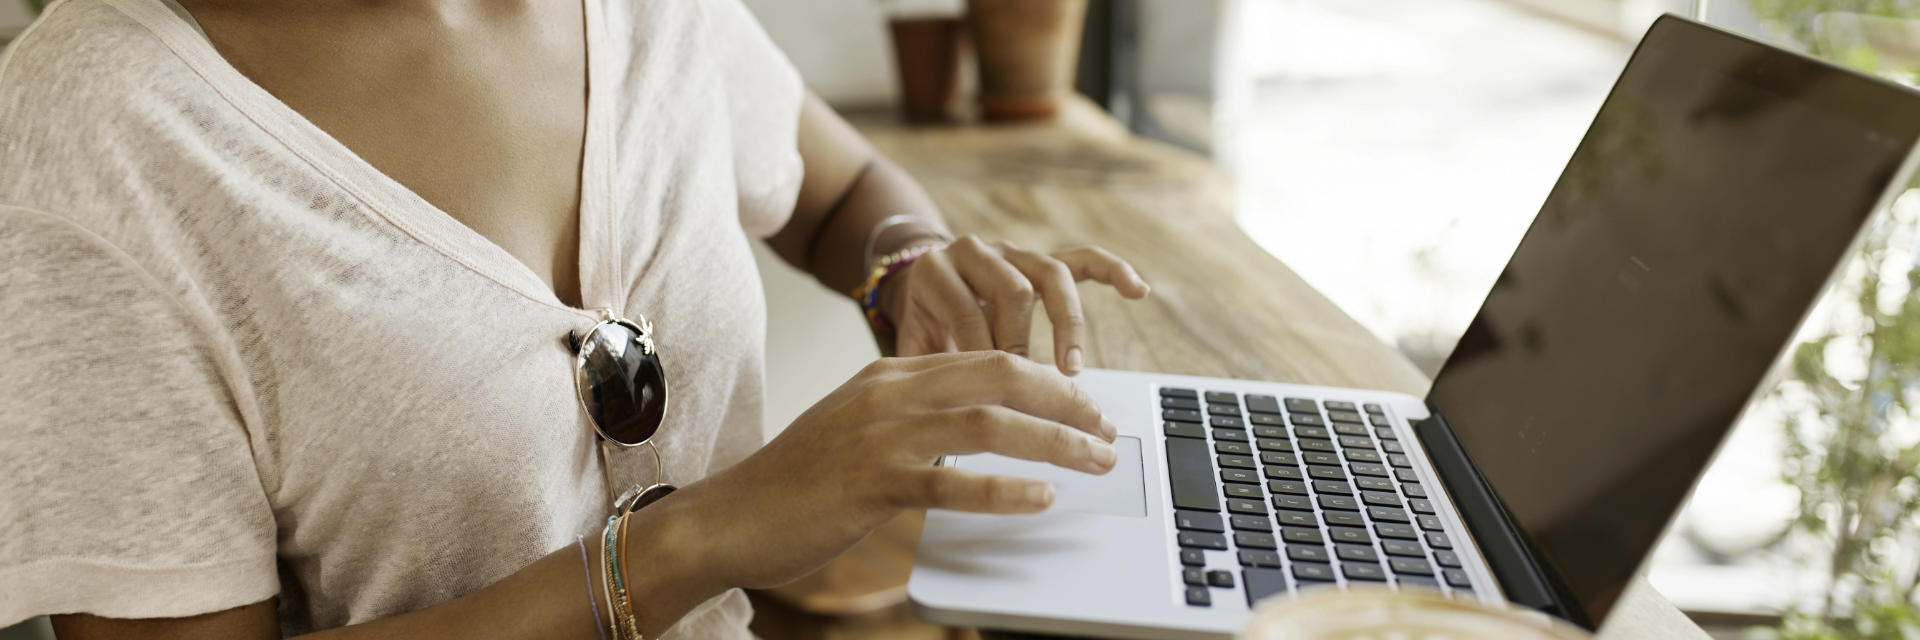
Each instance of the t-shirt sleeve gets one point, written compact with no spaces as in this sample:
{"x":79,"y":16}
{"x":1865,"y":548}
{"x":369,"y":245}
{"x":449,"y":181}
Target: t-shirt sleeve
{"x":129,"y":487}
{"x":764,"y":93}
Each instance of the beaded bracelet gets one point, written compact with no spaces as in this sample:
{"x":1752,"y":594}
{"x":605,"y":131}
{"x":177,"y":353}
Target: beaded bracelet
{"x":868,"y":293}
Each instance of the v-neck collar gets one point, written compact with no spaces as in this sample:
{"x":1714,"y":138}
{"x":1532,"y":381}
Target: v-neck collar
{"x":601,"y":283}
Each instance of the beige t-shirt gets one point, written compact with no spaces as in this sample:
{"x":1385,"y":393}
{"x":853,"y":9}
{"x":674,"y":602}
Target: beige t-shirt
{"x":237,"y":361}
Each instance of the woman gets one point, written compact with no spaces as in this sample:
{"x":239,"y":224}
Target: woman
{"x":295,"y":292}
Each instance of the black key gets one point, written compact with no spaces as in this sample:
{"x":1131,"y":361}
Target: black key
{"x":1264,"y":420}
{"x":1350,"y":535}
{"x":1251,"y":523}
{"x":1273,"y":444}
{"x":1430,"y":523}
{"x":1361,"y":455}
{"x":1447,"y":558}
{"x":1302,"y":405}
{"x":1311,"y":432}
{"x":1270,"y":432}
{"x":1356,"y":553}
{"x":1223,"y":410}
{"x":1229,"y":435}
{"x":1356,"y":442}
{"x":1323,"y":472}
{"x":1363,"y":571}
{"x":1198,"y":597}
{"x":1307,"y":552}
{"x":1347,"y":429}
{"x":1414,"y":490}
{"x":1237,"y":448}
{"x":1252,"y":507}
{"x":1320,"y":457}
{"x":1332,"y":486}
{"x":1315,"y":444}
{"x":1417,"y":581}
{"x":1343,"y":518}
{"x":1377,"y":419}
{"x":1184,"y":430}
{"x":1227,"y":422}
{"x":1291,"y":518}
{"x":1193,"y":557}
{"x":1190,"y":475}
{"x":1385,"y":434}
{"x":1193,"y":575}
{"x":1312,"y":571}
{"x":1379,"y":498}
{"x":1305,"y":420}
{"x":1296,"y":503}
{"x":1218,"y":578}
{"x":1457,"y":577}
{"x":1203,"y":540}
{"x":1439,"y":541}
{"x":1368,"y":469}
{"x":1250,"y":540}
{"x":1372,"y":407}
{"x":1237,"y":490}
{"x":1179,"y":403}
{"x":1392,"y":446}
{"x":1300,"y":535}
{"x":1405,"y":475}
{"x":1421,"y":506}
{"x":1239,"y":475}
{"x":1387,"y":514}
{"x":1410,"y":566}
{"x":1180,"y":415}
{"x":1402,"y":548}
{"x":1262,"y":404}
{"x":1393,"y":530}
{"x":1278,"y":472}
{"x":1185,"y":520}
{"x":1262,"y":584}
{"x":1236,"y":462}
{"x":1280,"y":458}
{"x":1223,"y":397}
{"x":1251,"y":558}
{"x":1177,"y":392}
{"x":1287,"y":487}
{"x":1400,"y":460}
{"x":1343,"y":503}
{"x":1371,"y":483}
{"x":1339,"y":405}
{"x":1344,"y":416}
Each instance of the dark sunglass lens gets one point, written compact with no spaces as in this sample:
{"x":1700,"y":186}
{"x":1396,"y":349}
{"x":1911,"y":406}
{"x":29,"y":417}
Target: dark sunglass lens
{"x":626,"y":388}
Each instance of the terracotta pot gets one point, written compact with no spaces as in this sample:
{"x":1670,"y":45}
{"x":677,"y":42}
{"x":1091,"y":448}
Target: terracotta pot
{"x":1027,"y":51}
{"x":928,"y":52}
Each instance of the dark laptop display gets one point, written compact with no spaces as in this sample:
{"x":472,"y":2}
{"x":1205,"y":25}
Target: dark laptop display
{"x":1656,"y":286}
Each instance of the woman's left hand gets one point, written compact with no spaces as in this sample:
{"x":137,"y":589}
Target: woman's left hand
{"x":973,"y":295}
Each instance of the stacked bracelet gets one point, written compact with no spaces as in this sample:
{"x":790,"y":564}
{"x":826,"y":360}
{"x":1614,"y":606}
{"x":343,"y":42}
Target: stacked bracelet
{"x":868,"y":293}
{"x":619,"y":607}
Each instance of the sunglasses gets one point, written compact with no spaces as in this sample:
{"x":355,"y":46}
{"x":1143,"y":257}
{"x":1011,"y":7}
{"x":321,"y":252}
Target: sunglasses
{"x":623,"y":388}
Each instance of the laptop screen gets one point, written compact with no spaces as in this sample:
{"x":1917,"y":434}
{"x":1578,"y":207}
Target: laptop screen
{"x":1718,"y":187}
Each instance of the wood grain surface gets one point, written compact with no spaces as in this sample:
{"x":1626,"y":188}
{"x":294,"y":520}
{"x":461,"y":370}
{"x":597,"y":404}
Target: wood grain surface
{"x":1221,"y":306}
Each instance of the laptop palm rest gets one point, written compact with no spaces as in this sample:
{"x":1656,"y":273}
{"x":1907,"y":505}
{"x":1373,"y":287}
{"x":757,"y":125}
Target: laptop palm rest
{"x":1121,"y":492}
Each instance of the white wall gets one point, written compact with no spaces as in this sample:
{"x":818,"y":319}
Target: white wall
{"x":840,"y":47}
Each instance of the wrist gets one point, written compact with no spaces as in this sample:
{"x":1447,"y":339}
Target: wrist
{"x":665,"y":564}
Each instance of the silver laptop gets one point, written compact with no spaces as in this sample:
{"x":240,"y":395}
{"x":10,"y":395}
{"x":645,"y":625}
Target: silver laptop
{"x":1719,"y":186}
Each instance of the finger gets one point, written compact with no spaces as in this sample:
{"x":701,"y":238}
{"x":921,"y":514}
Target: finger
{"x":985,"y":428}
{"x":960,"y":490}
{"x":1000,"y":378}
{"x":953,"y":303}
{"x":1003,"y":287}
{"x":1055,"y":282}
{"x":1094,"y":263}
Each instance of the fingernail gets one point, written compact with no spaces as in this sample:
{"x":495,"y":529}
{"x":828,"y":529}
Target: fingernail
{"x":1040,"y":494}
{"x":1109,"y":429}
{"x":1074,"y":360}
{"x":1103,"y":455}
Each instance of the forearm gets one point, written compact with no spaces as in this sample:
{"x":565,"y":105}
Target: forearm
{"x":838,"y":257}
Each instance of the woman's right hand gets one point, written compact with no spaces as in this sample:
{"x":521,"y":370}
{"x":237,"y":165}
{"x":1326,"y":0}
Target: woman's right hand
{"x":866,"y":452}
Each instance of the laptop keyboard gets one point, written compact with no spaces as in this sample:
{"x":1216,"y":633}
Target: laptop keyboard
{"x":1295,"y":493}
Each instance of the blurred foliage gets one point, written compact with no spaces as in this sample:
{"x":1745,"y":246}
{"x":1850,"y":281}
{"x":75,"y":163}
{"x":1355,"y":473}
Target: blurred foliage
{"x":1796,"y":17}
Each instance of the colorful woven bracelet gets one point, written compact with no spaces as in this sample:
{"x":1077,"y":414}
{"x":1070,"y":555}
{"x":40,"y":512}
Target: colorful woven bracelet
{"x":868,"y":293}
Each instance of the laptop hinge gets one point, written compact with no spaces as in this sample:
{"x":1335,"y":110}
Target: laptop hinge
{"x":1515,"y":562}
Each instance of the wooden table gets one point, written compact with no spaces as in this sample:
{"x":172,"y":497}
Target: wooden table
{"x":1221,"y":306}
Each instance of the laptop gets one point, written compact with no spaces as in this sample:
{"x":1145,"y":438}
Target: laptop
{"x":1718,"y":189}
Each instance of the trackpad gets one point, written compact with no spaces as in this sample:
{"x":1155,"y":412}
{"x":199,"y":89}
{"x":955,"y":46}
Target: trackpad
{"x":1121,"y":492}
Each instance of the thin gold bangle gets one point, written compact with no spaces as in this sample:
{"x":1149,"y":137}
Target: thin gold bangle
{"x":606,"y":578}
{"x":626,"y":603}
